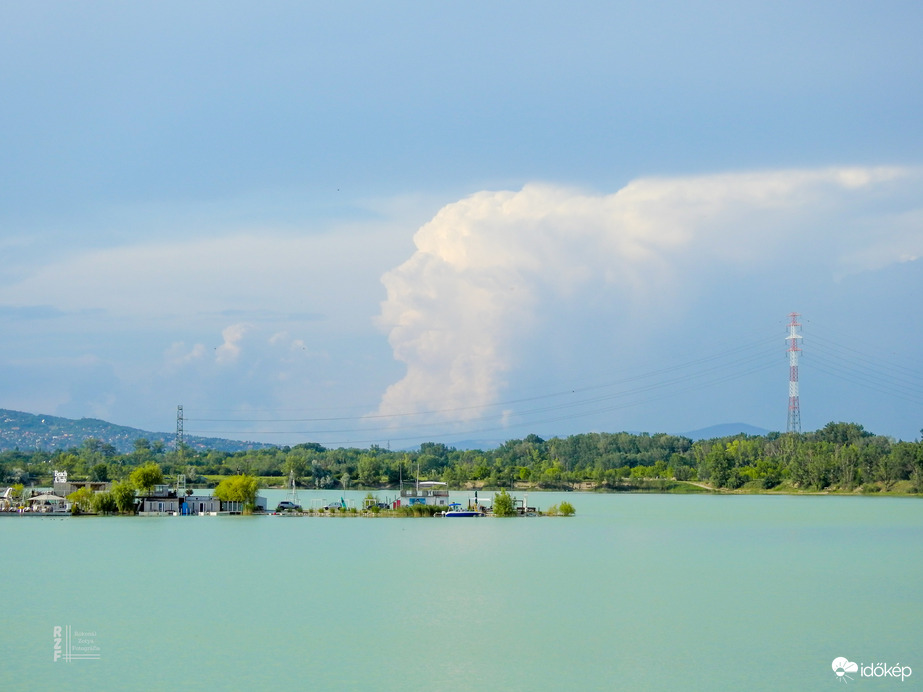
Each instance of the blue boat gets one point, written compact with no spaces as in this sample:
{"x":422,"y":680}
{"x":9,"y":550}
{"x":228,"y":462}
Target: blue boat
{"x":455,"y":510}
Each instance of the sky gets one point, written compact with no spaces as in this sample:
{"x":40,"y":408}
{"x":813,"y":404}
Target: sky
{"x":366,"y":223}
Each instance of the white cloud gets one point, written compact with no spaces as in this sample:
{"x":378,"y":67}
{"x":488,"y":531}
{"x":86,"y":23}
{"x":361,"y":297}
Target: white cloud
{"x":487,"y":267}
{"x":331,"y":275}
{"x":179,"y":355}
{"x":229,"y":351}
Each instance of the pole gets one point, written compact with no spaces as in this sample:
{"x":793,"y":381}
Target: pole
{"x":794,"y":404}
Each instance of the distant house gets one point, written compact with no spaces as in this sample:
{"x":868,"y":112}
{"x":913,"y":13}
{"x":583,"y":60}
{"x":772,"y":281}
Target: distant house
{"x":162,"y":500}
{"x":426,"y":493}
{"x":201,"y":504}
{"x":159,"y":505}
{"x":238,"y":507}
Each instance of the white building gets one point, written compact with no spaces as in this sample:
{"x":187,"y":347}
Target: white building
{"x":426,"y":493}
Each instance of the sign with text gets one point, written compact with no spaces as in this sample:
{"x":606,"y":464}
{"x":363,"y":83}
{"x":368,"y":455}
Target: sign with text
{"x":76,"y":645}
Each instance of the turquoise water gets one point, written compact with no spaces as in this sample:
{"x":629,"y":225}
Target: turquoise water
{"x":637,"y":592}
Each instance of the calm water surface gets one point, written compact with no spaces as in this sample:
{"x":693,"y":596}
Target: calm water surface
{"x":636,"y":592}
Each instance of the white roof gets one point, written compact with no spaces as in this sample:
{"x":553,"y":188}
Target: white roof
{"x":47,"y":497}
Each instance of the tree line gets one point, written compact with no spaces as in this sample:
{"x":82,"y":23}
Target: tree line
{"x":840,"y":456}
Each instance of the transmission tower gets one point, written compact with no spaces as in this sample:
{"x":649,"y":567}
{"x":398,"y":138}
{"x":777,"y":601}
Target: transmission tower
{"x":179,"y":428}
{"x":794,"y":406}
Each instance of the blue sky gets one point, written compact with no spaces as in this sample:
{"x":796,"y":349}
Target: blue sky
{"x":389,"y":222}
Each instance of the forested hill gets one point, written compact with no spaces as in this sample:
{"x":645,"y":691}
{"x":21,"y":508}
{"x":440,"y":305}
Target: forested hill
{"x":26,"y":431}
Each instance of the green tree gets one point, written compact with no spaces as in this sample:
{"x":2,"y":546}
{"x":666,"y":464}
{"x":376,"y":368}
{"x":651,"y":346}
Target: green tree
{"x":842,"y":433}
{"x":145,"y":477}
{"x":566,"y":509}
{"x":295,"y":463}
{"x":890,"y":468}
{"x":91,"y":448}
{"x":718,"y":466}
{"x":99,"y":472}
{"x":503,"y":505}
{"x":551,"y":477}
{"x":369,"y":470}
{"x":142,"y":453}
{"x":240,"y":488}
{"x":124,"y":495}
{"x":81,"y":500}
{"x":683,"y":473}
{"x":104,"y":503}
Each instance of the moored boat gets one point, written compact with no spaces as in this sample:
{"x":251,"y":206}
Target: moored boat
{"x":463,"y":513}
{"x":455,"y":510}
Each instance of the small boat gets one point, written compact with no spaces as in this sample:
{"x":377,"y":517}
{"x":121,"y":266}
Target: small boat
{"x":455,"y":510}
{"x":464,"y":513}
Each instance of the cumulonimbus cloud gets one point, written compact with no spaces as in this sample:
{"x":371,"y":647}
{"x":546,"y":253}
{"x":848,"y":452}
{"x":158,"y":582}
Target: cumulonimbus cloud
{"x":229,"y":350}
{"x":484,"y":265}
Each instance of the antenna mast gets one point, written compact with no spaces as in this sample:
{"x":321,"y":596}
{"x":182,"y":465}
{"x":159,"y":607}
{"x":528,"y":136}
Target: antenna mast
{"x":179,"y":429}
{"x":794,"y":405}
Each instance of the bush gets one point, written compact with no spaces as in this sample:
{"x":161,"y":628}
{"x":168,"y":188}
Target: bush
{"x":503,"y":505}
{"x":81,"y":501}
{"x":770,"y":481}
{"x":104,"y":503}
{"x":241,"y":489}
{"x":145,"y":477}
{"x":567,"y":509}
{"x":124,"y":495}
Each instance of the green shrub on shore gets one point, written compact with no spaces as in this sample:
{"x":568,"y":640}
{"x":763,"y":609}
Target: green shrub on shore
{"x":503,"y":505}
{"x":104,"y":503}
{"x":565,"y":509}
{"x":124,"y":495}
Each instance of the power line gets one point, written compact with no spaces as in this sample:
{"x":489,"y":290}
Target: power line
{"x":650,"y":387}
{"x":512,"y":402}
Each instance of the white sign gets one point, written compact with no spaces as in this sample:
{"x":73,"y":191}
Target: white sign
{"x":60,"y":476}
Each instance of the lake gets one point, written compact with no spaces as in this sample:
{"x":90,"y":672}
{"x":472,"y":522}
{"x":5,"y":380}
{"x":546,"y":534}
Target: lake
{"x":635,"y":592}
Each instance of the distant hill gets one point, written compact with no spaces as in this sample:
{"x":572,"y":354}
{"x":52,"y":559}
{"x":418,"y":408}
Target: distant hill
{"x":724,"y":430}
{"x":27,"y":431}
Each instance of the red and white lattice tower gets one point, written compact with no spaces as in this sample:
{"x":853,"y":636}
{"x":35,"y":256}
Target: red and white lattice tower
{"x":794,"y":406}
